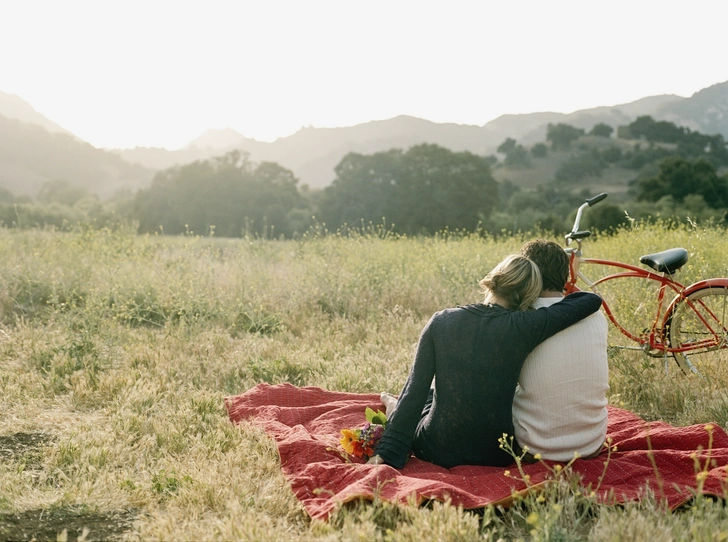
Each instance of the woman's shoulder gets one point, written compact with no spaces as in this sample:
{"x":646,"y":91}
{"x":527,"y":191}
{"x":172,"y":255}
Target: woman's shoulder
{"x":447,"y":320}
{"x":463,"y":311}
{"x":579,"y":300}
{"x":474,"y":308}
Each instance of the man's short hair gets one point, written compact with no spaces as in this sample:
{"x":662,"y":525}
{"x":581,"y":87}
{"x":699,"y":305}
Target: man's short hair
{"x":551,"y":260}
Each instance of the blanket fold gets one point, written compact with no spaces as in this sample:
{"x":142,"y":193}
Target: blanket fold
{"x":305,"y":424}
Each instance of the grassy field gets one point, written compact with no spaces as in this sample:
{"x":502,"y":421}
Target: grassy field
{"x":116,"y":352}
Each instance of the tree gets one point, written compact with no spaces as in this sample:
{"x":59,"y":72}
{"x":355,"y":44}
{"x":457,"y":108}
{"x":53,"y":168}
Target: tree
{"x":606,"y":216}
{"x":423,"y":190}
{"x":539,"y":150}
{"x":561,"y":135}
{"x":687,"y":144}
{"x":679,"y":178}
{"x":6,"y":196}
{"x":612,"y":154}
{"x":61,"y":191}
{"x":507,"y":146}
{"x":517,"y":157}
{"x":365,"y":188}
{"x":645,"y":127}
{"x":602,"y":130}
{"x":491,"y":159}
{"x":228,"y":195}
{"x":580,"y":166}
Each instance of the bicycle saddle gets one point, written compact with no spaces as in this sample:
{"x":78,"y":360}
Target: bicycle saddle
{"x":667,"y":261}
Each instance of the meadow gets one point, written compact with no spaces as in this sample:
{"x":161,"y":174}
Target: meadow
{"x":117,"y":350}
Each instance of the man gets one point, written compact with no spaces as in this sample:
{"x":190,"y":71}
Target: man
{"x":560,"y":405}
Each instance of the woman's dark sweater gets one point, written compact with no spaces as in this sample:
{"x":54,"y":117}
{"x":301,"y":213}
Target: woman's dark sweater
{"x":476,"y":353}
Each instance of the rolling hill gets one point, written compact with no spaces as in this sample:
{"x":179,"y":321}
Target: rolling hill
{"x":30,"y":155}
{"x":312,"y":153}
{"x":34,"y":149}
{"x":14,"y":107}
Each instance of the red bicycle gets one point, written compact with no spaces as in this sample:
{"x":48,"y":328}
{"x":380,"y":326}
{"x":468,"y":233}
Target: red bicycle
{"x":692,"y":322}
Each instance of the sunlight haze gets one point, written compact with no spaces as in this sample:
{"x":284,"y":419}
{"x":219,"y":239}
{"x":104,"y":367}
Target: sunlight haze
{"x":159,"y":73}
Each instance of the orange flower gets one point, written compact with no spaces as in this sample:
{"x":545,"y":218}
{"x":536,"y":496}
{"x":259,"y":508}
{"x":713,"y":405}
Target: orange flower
{"x":361,"y":443}
{"x":359,"y":450}
{"x":349,"y":440}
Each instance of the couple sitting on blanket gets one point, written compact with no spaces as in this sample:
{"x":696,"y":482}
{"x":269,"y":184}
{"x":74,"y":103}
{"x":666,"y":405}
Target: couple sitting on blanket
{"x":499,"y":367}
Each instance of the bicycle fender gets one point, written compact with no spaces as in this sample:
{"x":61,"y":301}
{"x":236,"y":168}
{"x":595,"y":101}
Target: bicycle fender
{"x":707,"y":283}
{"x":700,"y":285}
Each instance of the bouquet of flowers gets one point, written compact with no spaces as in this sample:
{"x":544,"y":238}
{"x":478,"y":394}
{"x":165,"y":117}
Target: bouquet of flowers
{"x":361,"y":442}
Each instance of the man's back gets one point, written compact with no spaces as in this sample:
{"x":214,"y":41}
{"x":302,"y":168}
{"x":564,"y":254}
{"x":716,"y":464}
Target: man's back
{"x":560,"y":405}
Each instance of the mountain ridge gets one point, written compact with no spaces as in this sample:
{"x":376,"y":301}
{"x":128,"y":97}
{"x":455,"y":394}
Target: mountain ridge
{"x":13,"y":106}
{"x":312,"y":153}
{"x":30,"y":155}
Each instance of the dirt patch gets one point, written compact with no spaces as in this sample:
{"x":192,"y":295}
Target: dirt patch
{"x":26,"y":447}
{"x":47,"y":524}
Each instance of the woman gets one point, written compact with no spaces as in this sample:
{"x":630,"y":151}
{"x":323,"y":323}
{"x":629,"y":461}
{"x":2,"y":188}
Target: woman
{"x":476,"y":353}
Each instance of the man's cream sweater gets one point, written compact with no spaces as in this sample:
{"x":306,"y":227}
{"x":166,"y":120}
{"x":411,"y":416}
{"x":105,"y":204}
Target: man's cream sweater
{"x":560,"y":405}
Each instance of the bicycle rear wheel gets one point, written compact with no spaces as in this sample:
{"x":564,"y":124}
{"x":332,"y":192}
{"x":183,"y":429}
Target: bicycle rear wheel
{"x":699,"y":323}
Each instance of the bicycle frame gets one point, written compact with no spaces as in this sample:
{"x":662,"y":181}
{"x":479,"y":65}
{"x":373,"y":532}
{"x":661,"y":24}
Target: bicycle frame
{"x":654,"y":341}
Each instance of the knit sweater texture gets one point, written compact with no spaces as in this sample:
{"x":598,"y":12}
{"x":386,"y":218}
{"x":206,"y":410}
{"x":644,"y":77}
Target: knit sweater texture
{"x":560,"y":405}
{"x":476,"y":353}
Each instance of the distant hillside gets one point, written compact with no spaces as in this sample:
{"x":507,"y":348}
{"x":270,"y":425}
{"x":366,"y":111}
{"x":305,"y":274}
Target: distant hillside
{"x":705,"y":111}
{"x":312,"y":153}
{"x":30,"y":156}
{"x":613,"y":179}
{"x":532,"y":129}
{"x":14,"y":107}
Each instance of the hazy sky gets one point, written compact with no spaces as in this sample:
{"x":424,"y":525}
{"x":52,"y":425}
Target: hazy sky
{"x":159,"y":73}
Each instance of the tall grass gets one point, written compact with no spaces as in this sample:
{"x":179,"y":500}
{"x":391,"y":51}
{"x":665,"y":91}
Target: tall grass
{"x":119,"y":349}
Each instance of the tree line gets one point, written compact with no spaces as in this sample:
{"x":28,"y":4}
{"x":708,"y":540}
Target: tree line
{"x":422,"y":190}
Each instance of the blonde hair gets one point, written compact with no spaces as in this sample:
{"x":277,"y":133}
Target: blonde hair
{"x":516,"y":279}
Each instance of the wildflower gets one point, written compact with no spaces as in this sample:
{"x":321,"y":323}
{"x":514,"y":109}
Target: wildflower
{"x":708,"y":427}
{"x":358,"y":449}
{"x":537,"y":457}
{"x":361,"y":442}
{"x":348,"y":438}
{"x":701,"y":476}
{"x":532,"y":518}
{"x":506,"y":473}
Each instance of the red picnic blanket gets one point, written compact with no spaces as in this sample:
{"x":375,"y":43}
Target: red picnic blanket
{"x":306,"y":422}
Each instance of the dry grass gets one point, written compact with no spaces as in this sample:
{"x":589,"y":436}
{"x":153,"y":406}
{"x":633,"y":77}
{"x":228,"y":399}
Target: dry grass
{"x":116,"y":352}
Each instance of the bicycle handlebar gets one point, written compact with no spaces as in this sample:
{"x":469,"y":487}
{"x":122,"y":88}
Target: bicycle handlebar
{"x":575,"y":233}
{"x":596,"y":199}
